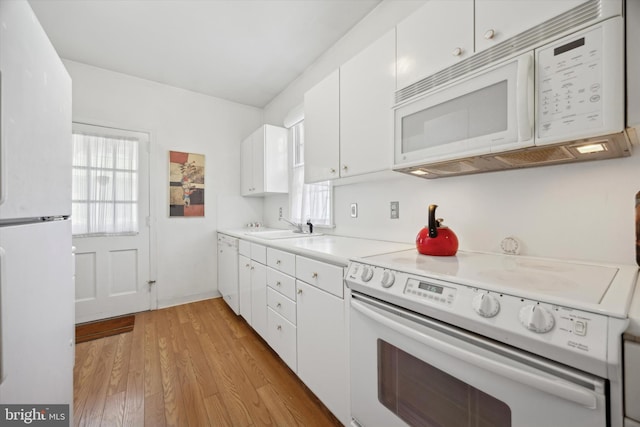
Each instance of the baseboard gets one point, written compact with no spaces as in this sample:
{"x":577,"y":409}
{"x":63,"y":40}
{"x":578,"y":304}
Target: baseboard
{"x":171,"y":302}
{"x":104,"y":328}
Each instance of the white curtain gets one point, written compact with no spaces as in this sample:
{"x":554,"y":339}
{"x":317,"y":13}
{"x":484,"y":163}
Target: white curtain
{"x":105,"y":185}
{"x":307,"y":201}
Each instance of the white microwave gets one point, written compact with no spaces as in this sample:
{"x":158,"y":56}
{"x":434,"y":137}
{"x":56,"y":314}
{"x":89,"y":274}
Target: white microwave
{"x":564,"y":95}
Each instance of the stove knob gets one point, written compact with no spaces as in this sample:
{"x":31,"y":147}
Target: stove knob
{"x":536,"y":318}
{"x":367,"y":273}
{"x":486,"y":305}
{"x":388,"y":278}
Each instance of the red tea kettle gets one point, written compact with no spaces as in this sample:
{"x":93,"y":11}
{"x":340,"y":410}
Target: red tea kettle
{"x":436,"y":239}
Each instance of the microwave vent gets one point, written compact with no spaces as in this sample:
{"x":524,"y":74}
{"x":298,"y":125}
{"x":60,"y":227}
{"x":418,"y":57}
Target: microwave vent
{"x":538,"y":156}
{"x":528,"y":39}
{"x":457,"y":167}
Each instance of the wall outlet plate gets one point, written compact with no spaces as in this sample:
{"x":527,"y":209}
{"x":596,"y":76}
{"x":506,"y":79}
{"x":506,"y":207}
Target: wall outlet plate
{"x":354,"y":210}
{"x":394,"y":210}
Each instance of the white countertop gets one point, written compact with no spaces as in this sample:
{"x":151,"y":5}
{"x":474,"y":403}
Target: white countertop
{"x":326,"y":247}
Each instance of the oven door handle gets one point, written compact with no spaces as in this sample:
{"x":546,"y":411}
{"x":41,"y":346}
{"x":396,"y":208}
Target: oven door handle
{"x":559,"y":388}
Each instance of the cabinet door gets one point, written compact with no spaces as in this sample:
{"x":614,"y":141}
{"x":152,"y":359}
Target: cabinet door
{"x":282,"y":337}
{"x":498,"y":20}
{"x":259,"y":298}
{"x":246,"y":166}
{"x":244,"y":282}
{"x":257,"y":161}
{"x":437,"y":35}
{"x":367,"y":84}
{"x":322,"y":130}
{"x":276,"y":160}
{"x":322,"y":347}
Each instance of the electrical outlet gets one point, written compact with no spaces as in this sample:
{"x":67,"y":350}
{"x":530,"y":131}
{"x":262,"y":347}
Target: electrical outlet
{"x":394,"y":210}
{"x":280,"y":212}
{"x":354,"y":210}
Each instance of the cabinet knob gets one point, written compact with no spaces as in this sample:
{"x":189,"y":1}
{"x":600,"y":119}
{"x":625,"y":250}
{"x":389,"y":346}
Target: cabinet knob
{"x":332,"y":170}
{"x":252,"y":268}
{"x":457,"y":51}
{"x":278,"y":262}
{"x":489,"y":34}
{"x":314,"y":275}
{"x":278,"y":283}
{"x":247,"y":265}
{"x":278,"y":305}
{"x":299,"y":291}
{"x":279,"y":327}
{"x":345,"y":168}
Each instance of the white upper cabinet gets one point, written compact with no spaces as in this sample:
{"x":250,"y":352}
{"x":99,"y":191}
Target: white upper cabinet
{"x":367,"y":83}
{"x":264,"y":167}
{"x":322,"y":130}
{"x":498,"y":20}
{"x":437,"y":35}
{"x":347,"y":116}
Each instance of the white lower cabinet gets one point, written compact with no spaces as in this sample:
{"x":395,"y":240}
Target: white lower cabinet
{"x":244,"y":283}
{"x":322,"y":347}
{"x":303,"y":318}
{"x":282,"y":337}
{"x":259,"y":298}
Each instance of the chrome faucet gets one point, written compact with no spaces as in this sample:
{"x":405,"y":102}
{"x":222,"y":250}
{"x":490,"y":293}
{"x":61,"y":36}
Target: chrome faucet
{"x":295,"y":224}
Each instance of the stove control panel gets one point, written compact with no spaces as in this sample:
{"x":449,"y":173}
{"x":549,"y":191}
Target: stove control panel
{"x":430,"y":291}
{"x":538,"y":326}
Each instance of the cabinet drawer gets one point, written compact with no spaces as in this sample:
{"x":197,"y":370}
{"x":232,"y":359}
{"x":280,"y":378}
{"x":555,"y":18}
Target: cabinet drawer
{"x":281,"y":336}
{"x":321,"y":275}
{"x":282,"y":283}
{"x":244,"y":248}
{"x":259,"y":253}
{"x":281,"y":305}
{"x":281,"y":261}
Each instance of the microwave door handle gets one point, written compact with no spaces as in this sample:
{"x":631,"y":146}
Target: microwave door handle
{"x":524,"y":97}
{"x":562,"y":389}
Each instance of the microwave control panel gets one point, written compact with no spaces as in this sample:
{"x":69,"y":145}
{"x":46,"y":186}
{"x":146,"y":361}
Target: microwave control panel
{"x":570,"y":84}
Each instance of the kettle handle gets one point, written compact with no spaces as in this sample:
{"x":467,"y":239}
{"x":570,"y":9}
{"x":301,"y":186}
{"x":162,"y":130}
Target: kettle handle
{"x":433,"y":224}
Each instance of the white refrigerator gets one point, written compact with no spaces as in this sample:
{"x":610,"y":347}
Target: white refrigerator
{"x":36,"y":261}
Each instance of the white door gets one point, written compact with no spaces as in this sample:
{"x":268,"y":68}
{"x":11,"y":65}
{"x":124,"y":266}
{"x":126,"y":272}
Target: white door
{"x":111,"y":220}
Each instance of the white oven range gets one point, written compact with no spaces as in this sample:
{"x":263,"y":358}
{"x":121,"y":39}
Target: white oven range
{"x":486,"y":340}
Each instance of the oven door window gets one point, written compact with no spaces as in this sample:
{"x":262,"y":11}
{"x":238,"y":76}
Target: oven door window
{"x":422,"y":395}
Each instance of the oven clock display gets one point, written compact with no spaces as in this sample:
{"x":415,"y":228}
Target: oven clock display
{"x":431,"y":292}
{"x":430,"y":287}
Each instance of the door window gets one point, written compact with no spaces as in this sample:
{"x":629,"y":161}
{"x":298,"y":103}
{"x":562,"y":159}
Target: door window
{"x":105,"y":181}
{"x":422,"y":395}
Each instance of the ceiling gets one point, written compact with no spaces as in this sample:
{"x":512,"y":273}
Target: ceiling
{"x":246,"y":51}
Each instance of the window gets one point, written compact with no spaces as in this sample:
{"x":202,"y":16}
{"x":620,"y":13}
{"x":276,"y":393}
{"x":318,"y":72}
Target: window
{"x":105,"y":181}
{"x":307,"y":201}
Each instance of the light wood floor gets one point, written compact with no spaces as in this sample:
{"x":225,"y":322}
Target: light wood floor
{"x":192,"y":365}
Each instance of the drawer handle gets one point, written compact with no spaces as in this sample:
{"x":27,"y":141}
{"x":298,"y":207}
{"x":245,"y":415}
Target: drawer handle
{"x":278,"y":305}
{"x":278,"y":262}
{"x":314,"y":275}
{"x":279,"y":328}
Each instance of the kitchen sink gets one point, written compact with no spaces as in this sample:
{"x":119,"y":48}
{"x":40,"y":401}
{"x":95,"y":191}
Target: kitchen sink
{"x":279,"y":234}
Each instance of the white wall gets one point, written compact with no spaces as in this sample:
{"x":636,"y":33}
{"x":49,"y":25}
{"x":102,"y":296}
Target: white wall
{"x":580,"y":211}
{"x":374,"y":25}
{"x":177,"y":120}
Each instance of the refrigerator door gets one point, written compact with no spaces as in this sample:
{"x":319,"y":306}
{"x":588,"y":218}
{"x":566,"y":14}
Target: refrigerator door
{"x":37,"y":314}
{"x":35,"y":119}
